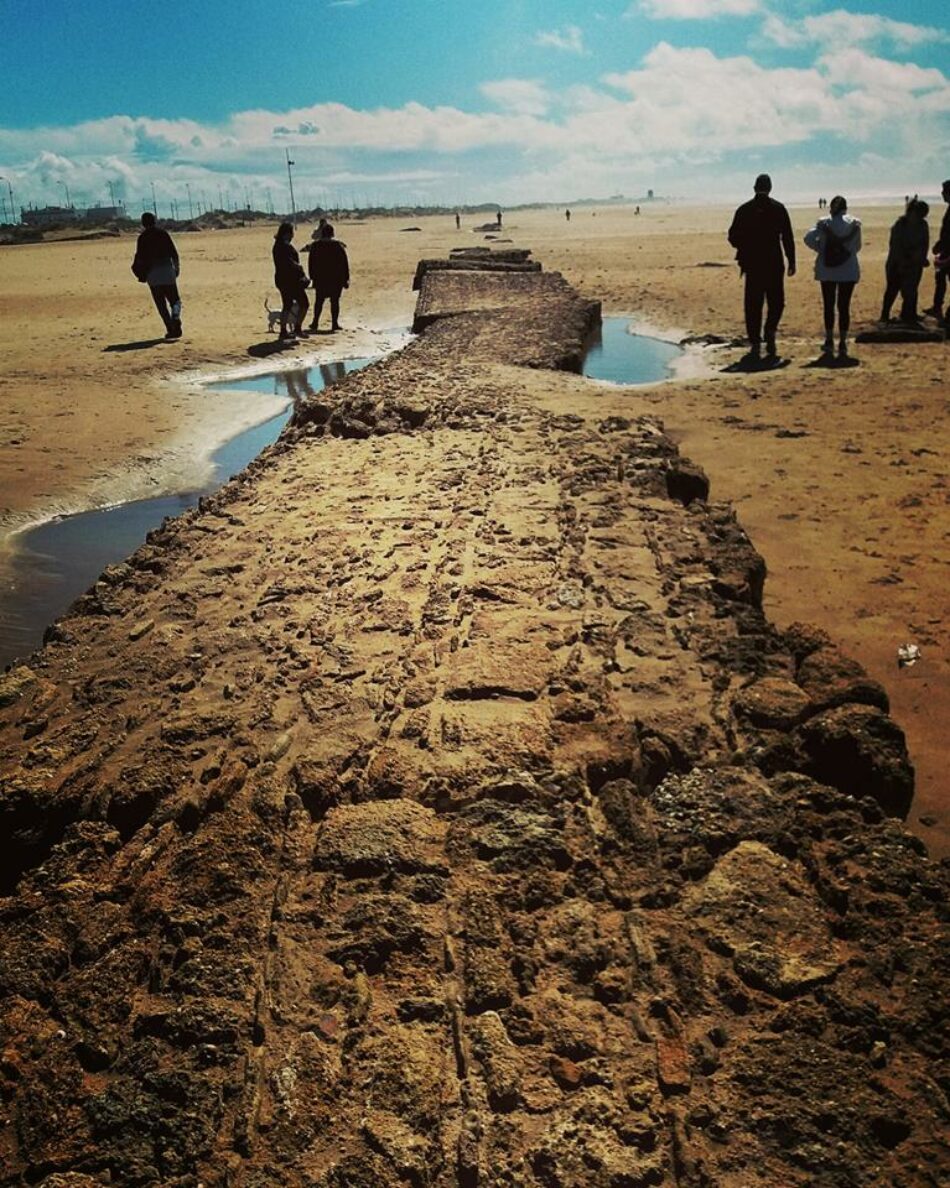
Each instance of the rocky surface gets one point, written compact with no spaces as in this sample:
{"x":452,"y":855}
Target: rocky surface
{"x":434,"y":805}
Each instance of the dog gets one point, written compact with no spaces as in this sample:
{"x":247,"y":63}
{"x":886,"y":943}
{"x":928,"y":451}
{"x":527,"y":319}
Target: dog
{"x":274,"y":316}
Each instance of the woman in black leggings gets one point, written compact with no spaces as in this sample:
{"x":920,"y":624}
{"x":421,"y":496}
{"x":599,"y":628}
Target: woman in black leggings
{"x":837,"y":240}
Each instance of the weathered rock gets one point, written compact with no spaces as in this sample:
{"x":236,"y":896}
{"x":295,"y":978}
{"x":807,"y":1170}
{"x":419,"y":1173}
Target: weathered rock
{"x":388,"y":835}
{"x":860,"y":750}
{"x":772,"y":702}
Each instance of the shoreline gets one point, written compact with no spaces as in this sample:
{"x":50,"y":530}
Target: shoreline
{"x":185,"y":466}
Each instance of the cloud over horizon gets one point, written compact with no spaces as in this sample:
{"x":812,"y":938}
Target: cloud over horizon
{"x":681,"y":118}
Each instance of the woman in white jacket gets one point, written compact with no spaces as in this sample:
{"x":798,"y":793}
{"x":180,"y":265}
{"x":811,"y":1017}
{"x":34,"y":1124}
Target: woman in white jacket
{"x":837,"y":241}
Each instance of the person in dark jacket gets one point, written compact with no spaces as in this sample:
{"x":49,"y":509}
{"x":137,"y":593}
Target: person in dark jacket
{"x":906,"y":260}
{"x":761,"y":230}
{"x":156,"y":264}
{"x":941,"y":257}
{"x":329,"y":270}
{"x":291,"y":280}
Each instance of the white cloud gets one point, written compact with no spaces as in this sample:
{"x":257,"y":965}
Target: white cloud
{"x":521,"y":95}
{"x":683,"y":113}
{"x":840,"y":28}
{"x":694,"y":10}
{"x":570,"y":39}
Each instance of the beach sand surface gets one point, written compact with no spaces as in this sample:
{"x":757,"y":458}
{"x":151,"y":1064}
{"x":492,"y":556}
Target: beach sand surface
{"x":838,"y":475}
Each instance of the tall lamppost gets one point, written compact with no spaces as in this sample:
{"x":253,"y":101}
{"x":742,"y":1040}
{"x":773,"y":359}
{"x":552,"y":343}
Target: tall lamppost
{"x":154,"y":203}
{"x":290,"y":180}
{"x":66,"y":188}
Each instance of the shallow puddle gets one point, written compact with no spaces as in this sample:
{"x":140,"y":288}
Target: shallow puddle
{"x":58,"y":560}
{"x":623,"y":358}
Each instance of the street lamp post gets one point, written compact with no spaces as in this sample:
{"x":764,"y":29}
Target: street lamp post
{"x":154,"y":203}
{"x":290,"y":179}
{"x":66,"y":188}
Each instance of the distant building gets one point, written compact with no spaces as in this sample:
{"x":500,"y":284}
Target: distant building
{"x":48,"y":215}
{"x":102,"y":214}
{"x":649,"y":195}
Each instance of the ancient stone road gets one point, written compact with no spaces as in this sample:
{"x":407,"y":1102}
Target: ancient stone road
{"x":435,"y":806}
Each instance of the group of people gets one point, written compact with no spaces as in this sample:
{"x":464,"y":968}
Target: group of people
{"x":157,"y":264}
{"x":328,"y":271}
{"x":761,"y":233}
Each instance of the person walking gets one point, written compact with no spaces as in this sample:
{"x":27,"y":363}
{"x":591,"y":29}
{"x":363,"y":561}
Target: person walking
{"x":837,"y":240}
{"x":941,"y":258}
{"x":906,"y":260}
{"x":156,"y":264}
{"x":761,"y":230}
{"x":329,"y":270}
{"x":458,"y":221}
{"x":291,"y":280}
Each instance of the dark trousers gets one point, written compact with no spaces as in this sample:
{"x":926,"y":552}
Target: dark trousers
{"x":940,"y":288}
{"x":832,"y":293}
{"x":318,"y":300}
{"x":293,"y":320}
{"x":905,"y":281}
{"x":166,"y":302}
{"x":763,"y":288}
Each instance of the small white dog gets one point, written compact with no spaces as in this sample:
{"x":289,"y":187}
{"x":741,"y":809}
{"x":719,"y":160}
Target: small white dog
{"x":273,"y":317}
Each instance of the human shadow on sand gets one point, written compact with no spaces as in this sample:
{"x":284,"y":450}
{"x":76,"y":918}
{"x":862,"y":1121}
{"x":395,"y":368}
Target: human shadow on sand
{"x":273,"y":346}
{"x":133,"y":346}
{"x":834,"y":362}
{"x":751,"y":363}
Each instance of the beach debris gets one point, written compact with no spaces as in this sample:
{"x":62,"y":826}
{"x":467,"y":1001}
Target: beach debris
{"x":907,"y":655}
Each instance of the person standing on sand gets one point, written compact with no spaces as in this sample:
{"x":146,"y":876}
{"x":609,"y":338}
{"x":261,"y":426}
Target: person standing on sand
{"x":906,"y":261}
{"x":837,"y":240}
{"x":329,"y":270}
{"x":941,"y":257}
{"x":291,"y":280}
{"x":760,"y":230}
{"x":156,"y":264}
{"x":458,"y":221}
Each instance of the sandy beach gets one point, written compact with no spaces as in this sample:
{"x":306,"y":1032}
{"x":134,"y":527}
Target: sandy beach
{"x":837,"y":475}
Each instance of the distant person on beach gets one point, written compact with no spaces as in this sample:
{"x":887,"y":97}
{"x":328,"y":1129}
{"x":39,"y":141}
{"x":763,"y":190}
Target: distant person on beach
{"x":329,"y":270}
{"x":567,"y":215}
{"x":291,"y":280}
{"x":156,"y":264}
{"x":837,"y":240}
{"x":760,"y":231}
{"x":458,"y":221}
{"x":498,"y":218}
{"x":941,"y":258}
{"x":906,"y":260}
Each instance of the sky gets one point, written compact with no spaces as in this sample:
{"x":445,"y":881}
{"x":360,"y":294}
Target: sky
{"x":392,"y":102}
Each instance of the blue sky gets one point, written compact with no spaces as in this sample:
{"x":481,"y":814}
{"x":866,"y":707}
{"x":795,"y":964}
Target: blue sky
{"x":488,"y":100}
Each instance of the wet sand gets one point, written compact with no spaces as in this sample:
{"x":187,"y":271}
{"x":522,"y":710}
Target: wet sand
{"x":838,"y":475}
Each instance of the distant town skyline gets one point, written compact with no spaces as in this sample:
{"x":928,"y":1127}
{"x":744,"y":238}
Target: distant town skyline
{"x":405,"y":102}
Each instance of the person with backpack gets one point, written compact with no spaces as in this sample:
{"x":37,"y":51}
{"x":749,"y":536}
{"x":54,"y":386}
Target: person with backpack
{"x":906,"y":260}
{"x":836,"y":240}
{"x":156,"y":264}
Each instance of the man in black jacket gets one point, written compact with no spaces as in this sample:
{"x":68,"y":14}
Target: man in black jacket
{"x":156,"y":264}
{"x":760,"y":231}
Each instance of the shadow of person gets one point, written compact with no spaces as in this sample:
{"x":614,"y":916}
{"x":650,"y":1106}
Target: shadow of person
{"x":133,"y":346}
{"x":753,"y":363}
{"x":834,"y":362}
{"x":273,"y":346}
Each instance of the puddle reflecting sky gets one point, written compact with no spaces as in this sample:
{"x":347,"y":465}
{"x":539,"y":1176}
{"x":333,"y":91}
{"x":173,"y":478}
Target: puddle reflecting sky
{"x":624,"y":358}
